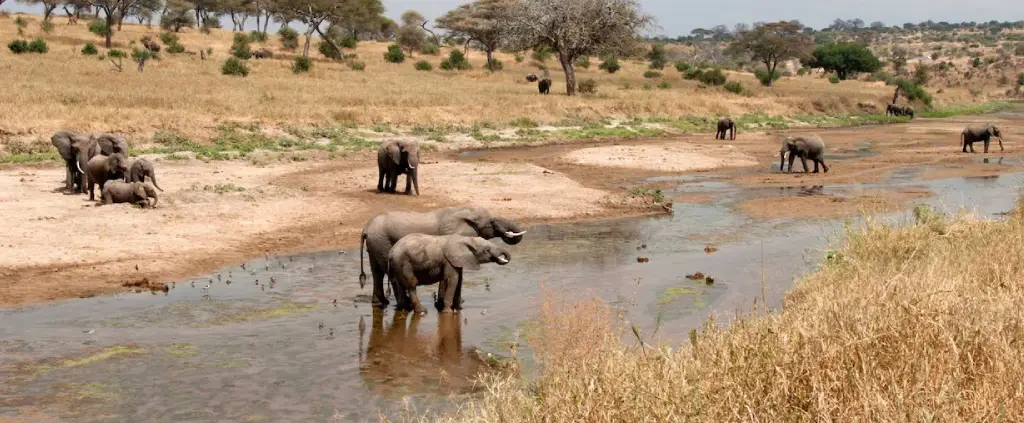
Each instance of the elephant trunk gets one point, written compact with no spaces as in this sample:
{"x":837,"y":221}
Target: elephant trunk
{"x":509,"y":232}
{"x":503,"y":257}
{"x":153,"y":177}
{"x":155,"y":200}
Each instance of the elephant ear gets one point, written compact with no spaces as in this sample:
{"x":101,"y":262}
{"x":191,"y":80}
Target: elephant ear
{"x":459,"y":252}
{"x":395,"y":152}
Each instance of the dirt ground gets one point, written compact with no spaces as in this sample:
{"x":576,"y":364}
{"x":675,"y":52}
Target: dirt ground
{"x":214,"y":214}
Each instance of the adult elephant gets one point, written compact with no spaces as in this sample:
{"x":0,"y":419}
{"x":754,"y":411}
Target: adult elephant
{"x":64,"y":142}
{"x":111,"y":144}
{"x":398,"y":157}
{"x":971,"y":135}
{"x":419,"y":259}
{"x":893,"y":109}
{"x":805,"y":147}
{"x":726,"y":126}
{"x":908,"y":111}
{"x":385,"y":229}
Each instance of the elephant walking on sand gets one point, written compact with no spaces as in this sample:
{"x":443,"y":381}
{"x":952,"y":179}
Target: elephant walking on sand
{"x":396,"y":158}
{"x":139,"y":170}
{"x":805,"y":147}
{"x":419,"y":259}
{"x":724,"y":126}
{"x":971,"y":135}
{"x":105,"y":168}
{"x":386,"y":229}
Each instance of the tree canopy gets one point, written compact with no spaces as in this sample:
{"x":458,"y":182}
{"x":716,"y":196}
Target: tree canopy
{"x":772,"y":43}
{"x":845,"y":59}
{"x":480,"y":22}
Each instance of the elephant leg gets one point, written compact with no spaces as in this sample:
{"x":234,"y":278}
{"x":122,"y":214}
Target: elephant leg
{"x":416,"y":305}
{"x":92,"y":191}
{"x":451,"y":283}
{"x":457,"y":301}
{"x":379,"y":299}
{"x":803,"y":161}
{"x":815,"y":165}
{"x":415,"y":174}
{"x":380,"y":179}
{"x":1000,"y":148}
{"x":791,"y":158}
{"x":823,"y":166}
{"x":408,"y":184}
{"x":986,"y":146}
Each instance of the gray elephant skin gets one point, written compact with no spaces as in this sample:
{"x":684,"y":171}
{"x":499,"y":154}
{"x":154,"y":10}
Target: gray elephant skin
{"x":805,"y":147}
{"x":971,"y":135}
{"x":726,"y":126}
{"x":63,"y":141}
{"x":893,"y":109}
{"x":385,"y":229}
{"x":396,"y":158}
{"x":139,"y":170}
{"x":419,"y":259}
{"x":77,"y":149}
{"x":105,"y":168}
{"x":262,"y":54}
{"x":115,"y":192}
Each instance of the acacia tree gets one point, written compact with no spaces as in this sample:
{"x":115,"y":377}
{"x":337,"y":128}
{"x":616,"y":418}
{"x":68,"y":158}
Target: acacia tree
{"x":313,"y":13}
{"x":479,"y":21}
{"x":113,"y":11}
{"x":48,"y":6}
{"x":772,"y":43}
{"x":360,"y":17}
{"x":575,"y":28}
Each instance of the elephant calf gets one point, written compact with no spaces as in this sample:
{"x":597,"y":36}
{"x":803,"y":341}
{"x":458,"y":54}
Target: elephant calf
{"x":127,"y":192}
{"x":420,"y":259}
{"x":724,"y":126}
{"x":105,"y":168}
{"x":804,"y":147}
{"x":971,"y":135}
{"x":139,"y":170}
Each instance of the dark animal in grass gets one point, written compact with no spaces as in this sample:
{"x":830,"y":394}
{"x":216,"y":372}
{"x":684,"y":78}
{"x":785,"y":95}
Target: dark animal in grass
{"x":724,"y":126}
{"x":262,"y":54}
{"x":531,"y":78}
{"x":544,"y":86}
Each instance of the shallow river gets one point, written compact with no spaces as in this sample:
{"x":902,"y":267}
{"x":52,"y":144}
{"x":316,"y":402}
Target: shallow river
{"x":254,"y":349}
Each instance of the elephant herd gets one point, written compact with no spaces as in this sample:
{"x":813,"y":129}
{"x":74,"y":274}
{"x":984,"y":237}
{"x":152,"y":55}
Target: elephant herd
{"x":897,"y":110}
{"x":92,"y":160}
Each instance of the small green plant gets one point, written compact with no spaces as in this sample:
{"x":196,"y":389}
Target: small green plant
{"x":256,"y":37}
{"x":921,"y":74}
{"x":456,"y":61}
{"x":98,"y":27}
{"x":234,"y":66}
{"x":89,"y":50}
{"x":240,"y":47}
{"x":357,"y":66}
{"x":496,"y":65}
{"x":652,"y":74}
{"x":302,"y":64}
{"x":656,"y":56}
{"x":394,"y":54}
{"x":18,"y":46}
{"x":1020,"y":80}
{"x":431,"y":49}
{"x":712,"y":77}
{"x":977,"y":62}
{"x":583,"y":62}
{"x":655,"y":194}
{"x":21,"y":23}
{"x":46,"y":26}
{"x":734,"y":87}
{"x":169,"y":38}
{"x":587,"y":86}
{"x":289,"y":38}
{"x":610,"y":64}
{"x":117,"y":54}
{"x":424,"y":65}
{"x":518,"y":57}
{"x":542,"y":53}
{"x":833,"y":79}
{"x":349,"y":42}
{"x":329,"y":51}
{"x":693,"y":73}
{"x":682,"y":66}
{"x":175,"y":48}
{"x":762,"y":76}
{"x":665,"y":85}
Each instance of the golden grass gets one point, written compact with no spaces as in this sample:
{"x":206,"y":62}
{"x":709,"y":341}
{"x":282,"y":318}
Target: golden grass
{"x":915,"y":323}
{"x":64,"y":89}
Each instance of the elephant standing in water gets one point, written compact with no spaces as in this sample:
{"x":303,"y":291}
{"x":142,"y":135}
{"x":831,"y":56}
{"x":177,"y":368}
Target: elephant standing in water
{"x":726,"y":126}
{"x":396,"y":158}
{"x":419,"y":259}
{"x":971,"y":135}
{"x":385,"y":229}
{"x":804,"y":147}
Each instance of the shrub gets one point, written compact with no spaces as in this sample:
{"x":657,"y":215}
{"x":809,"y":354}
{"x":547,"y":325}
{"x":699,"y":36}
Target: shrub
{"x":833,"y":79}
{"x":169,"y":38}
{"x":542,"y":53}
{"x":583,"y":62}
{"x":240,"y":47}
{"x":762,"y":75}
{"x":117,"y":54}
{"x":664,"y":85}
{"x":496,"y":65}
{"x":235,"y":67}
{"x":977,"y":62}
{"x":803,"y":71}
{"x":357,"y":66}
{"x":456,"y":61}
{"x":935,"y":56}
{"x":175,"y":48}
{"x":431,"y":49}
{"x":18,"y":46}
{"x":289,"y":38}
{"x":98,"y":27}
{"x":1020,"y":79}
{"x":519,"y":58}
{"x":712,"y":77}
{"x":424,"y":65}
{"x":89,"y":50}
{"x":302,"y":64}
{"x":329,"y":51}
{"x":652,"y":74}
{"x":21,"y":23}
{"x":256,"y":37}
{"x":921,"y":74}
{"x":46,"y":26}
{"x":693,"y":73}
{"x":734,"y":87}
{"x":610,"y":64}
{"x":914,"y":92}
{"x":682,"y":66}
{"x":394,"y":54}
{"x":587,"y":86}
{"x":349,"y":42}
{"x":1019,"y":50}
{"x":656,"y":56}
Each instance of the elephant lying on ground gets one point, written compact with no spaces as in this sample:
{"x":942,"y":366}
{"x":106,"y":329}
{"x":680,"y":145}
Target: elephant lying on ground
{"x":139,"y":170}
{"x":138,"y":193}
{"x":398,"y":157}
{"x":805,"y":147}
{"x":971,"y":135}
{"x":419,"y":259}
{"x":726,"y":125}
{"x":105,"y":168}
{"x":385,"y":229}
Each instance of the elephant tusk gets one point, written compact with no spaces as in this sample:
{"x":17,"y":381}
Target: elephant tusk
{"x":79,"y":166}
{"x":412,"y":167}
{"x":502,"y":260}
{"x":511,"y":234}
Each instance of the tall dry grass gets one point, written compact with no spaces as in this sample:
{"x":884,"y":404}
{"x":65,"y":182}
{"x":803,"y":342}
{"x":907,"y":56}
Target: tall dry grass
{"x":64,"y":89}
{"x":917,"y":323}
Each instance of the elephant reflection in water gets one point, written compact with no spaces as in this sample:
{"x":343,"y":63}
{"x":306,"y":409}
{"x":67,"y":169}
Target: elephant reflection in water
{"x":405,"y":359}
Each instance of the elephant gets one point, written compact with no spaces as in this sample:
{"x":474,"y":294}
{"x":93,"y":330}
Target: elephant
{"x":125,"y":192}
{"x":420,"y":259}
{"x":805,"y":147}
{"x":151,"y":45}
{"x":544,"y":86}
{"x":893,"y":109}
{"x":908,"y":111}
{"x":385,"y":229}
{"x":64,"y":141}
{"x":105,"y":168}
{"x":531,"y":77}
{"x":139,"y":170}
{"x":262,"y":54}
{"x":726,"y":125}
{"x":970,"y":135}
{"x":84,"y":148}
{"x":398,"y":157}
{"x":111,"y":144}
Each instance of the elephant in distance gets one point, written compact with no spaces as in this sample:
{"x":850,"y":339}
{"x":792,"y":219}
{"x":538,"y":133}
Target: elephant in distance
{"x":971,"y":135}
{"x":396,"y":158}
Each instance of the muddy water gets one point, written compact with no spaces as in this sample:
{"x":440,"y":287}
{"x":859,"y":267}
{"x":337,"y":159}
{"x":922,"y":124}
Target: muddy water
{"x":294,"y":338}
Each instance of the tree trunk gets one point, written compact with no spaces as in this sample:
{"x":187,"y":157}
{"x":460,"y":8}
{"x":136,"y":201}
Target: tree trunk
{"x":120,"y":20}
{"x":896,"y":95}
{"x":199,"y":18}
{"x":47,"y":11}
{"x":490,"y":61}
{"x":110,"y":28}
{"x":327,"y":39}
{"x":266,"y":21}
{"x":258,"y":20}
{"x":768,"y":66}
{"x":309,"y":35}
{"x":570,"y":74}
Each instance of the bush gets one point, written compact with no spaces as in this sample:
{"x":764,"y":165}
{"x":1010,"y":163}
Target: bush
{"x":329,"y":51}
{"x":240,"y":47}
{"x":349,"y":42}
{"x":18,"y":46}
{"x":682,"y":66}
{"x":357,"y":66}
{"x":542,"y":53}
{"x":175,"y":48}
{"x":235,"y":67}
{"x":21,"y":23}
{"x":693,"y":73}
{"x":394,"y":54}
{"x":1020,"y":79}
{"x":936,"y":56}
{"x":456,"y":61}
{"x":651,"y":74}
{"x":302,"y":64}
{"x":656,"y":56}
{"x":519,"y":58}
{"x":98,"y":27}
{"x":496,"y":65}
{"x":256,"y":37}
{"x":587,"y":86}
{"x":803,"y":71}
{"x":921,"y":74}
{"x":424,"y":65}
{"x":734,"y":87}
{"x":913,"y":92}
{"x":117,"y":54}
{"x":1019,"y":50}
{"x":833,"y":79}
{"x":664,"y":85}
{"x":169,"y":38}
{"x":610,"y":64}
{"x":89,"y":50}
{"x":845,"y":59}
{"x":431,"y":49}
{"x":46,"y":26}
{"x":289,"y":38}
{"x":762,"y":75}
{"x":583,"y":62}
{"x":712,"y":77}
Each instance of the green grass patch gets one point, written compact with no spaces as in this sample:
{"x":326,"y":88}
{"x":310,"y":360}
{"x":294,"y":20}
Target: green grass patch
{"x":52,"y":156}
{"x":967,"y":109}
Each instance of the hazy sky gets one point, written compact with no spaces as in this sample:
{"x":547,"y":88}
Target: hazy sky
{"x":676,"y":17}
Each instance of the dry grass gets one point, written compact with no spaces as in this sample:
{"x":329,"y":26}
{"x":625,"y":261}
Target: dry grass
{"x":192,"y":97}
{"x":917,"y":323}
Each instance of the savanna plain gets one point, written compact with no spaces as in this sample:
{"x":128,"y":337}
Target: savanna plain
{"x":237,"y":297}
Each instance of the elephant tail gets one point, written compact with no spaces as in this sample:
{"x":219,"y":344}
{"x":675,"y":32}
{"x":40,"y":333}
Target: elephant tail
{"x":362,"y":273}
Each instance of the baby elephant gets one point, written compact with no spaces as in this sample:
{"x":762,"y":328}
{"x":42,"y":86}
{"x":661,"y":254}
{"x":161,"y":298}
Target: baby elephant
{"x":129,"y":192}
{"x":419,"y":259}
{"x":805,"y":147}
{"x":971,"y":135}
{"x":139,"y":170}
{"x":724,"y":126}
{"x":105,"y":168}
